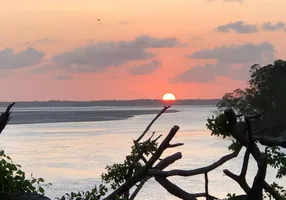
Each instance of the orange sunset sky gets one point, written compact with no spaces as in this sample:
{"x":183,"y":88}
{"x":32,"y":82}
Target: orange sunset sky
{"x":58,"y":50}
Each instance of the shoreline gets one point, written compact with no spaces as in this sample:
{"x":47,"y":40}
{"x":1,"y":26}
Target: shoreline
{"x":129,"y":103}
{"x":44,"y":117}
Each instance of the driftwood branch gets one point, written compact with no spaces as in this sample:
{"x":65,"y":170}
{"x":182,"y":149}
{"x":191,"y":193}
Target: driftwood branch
{"x":168,"y":161}
{"x":143,"y":172}
{"x":198,"y":171}
{"x":174,"y":189}
{"x":161,"y":165}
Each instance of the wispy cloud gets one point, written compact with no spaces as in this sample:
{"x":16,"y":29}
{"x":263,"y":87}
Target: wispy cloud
{"x":96,"y":57}
{"x":248,"y":52}
{"x":273,"y":26}
{"x":27,"y":57}
{"x":242,"y":28}
{"x":233,"y":61}
{"x":238,"y":27}
{"x":145,"y":69}
{"x":40,"y":41}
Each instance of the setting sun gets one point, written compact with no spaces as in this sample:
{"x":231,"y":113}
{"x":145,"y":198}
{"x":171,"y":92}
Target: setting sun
{"x":169,"y":97}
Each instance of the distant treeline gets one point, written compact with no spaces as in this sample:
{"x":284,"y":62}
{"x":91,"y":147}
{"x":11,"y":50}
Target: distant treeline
{"x":138,"y":102}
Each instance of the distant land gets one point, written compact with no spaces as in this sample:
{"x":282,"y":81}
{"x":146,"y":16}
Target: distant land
{"x":137,"y":102}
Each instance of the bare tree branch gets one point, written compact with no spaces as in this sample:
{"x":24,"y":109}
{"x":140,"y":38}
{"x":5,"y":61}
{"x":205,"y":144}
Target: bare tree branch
{"x":139,"y":187}
{"x":241,"y":181}
{"x":161,"y":165}
{"x":143,"y":172}
{"x":245,"y":163}
{"x":5,"y":117}
{"x":238,"y":132}
{"x":207,"y":186}
{"x":151,"y":123}
{"x":175,"y":145}
{"x":193,"y":172}
{"x":168,"y":161}
{"x":174,"y":189}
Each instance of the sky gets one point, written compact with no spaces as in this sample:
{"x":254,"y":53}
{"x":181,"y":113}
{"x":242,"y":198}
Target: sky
{"x":59,"y":50}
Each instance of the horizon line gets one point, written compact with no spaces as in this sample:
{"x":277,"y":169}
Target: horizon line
{"x":22,"y":101}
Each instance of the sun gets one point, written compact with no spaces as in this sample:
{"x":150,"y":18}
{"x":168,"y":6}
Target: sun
{"x":169,"y":97}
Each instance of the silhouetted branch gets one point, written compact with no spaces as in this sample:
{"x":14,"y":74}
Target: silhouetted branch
{"x":193,"y":172}
{"x":241,"y":181}
{"x":168,"y":161}
{"x":268,"y":141}
{"x":151,"y":123}
{"x":245,"y":163}
{"x":256,"y":191}
{"x":143,"y":172}
{"x":5,"y":117}
{"x":138,"y":188}
{"x":207,"y":186}
{"x":161,"y":165}
{"x":175,"y":145}
{"x":174,"y":189}
{"x":238,"y":132}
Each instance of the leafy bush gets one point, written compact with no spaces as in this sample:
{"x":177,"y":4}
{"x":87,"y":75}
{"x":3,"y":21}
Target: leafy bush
{"x":95,"y":194}
{"x":265,"y":94}
{"x":13,"y":179}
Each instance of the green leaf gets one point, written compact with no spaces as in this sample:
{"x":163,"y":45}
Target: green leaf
{"x":41,"y":190}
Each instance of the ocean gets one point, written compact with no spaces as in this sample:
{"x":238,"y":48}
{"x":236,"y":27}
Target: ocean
{"x":72,"y":154}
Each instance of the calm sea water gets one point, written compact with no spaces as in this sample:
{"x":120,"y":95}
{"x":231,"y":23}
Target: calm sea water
{"x":73,"y":155}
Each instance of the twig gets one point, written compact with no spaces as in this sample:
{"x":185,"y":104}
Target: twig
{"x":151,"y":123}
{"x":137,"y":190}
{"x":175,"y":145}
{"x":151,"y":136}
{"x":207,"y":186}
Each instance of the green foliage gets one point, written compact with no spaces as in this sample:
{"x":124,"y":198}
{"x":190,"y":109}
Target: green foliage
{"x":218,"y":125}
{"x":277,"y":160}
{"x":13,"y":179}
{"x":95,"y":194}
{"x":239,"y":100}
{"x":234,"y":146}
{"x":269,"y":83}
{"x":119,"y":173}
{"x":266,"y":94}
{"x":280,"y":190}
